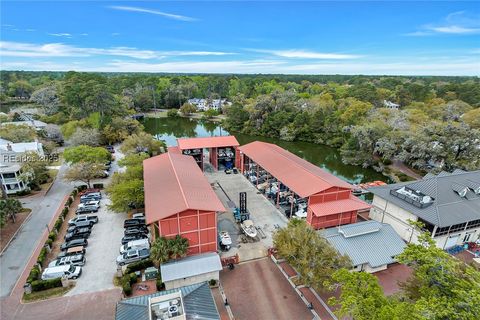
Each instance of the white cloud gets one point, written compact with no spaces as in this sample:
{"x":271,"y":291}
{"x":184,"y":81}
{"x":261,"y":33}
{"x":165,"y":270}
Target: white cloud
{"x":61,"y":34}
{"x":456,"y":23}
{"x":304,"y":54}
{"x":155,"y":12}
{"x":18,"y":49}
{"x":84,"y":34}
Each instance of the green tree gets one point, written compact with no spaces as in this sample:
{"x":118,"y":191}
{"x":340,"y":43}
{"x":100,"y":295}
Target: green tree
{"x":119,"y":129}
{"x":125,"y":193}
{"x":165,"y":249}
{"x":311,"y":255}
{"x":142,"y":142}
{"x":172,"y":113}
{"x":34,"y":170}
{"x":187,"y":109}
{"x":17,"y":133}
{"x":86,"y":154}
{"x":9,"y":209}
{"x":84,"y":172}
{"x":472,"y":118}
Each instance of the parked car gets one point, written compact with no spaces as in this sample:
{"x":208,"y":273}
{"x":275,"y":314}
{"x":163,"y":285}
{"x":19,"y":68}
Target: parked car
{"x":90,"y":196}
{"x":134,"y":222}
{"x":80,"y":225}
{"x":132,"y":237}
{"x":139,"y":215}
{"x":74,"y":243}
{"x":135,"y":230}
{"x":69,"y":271}
{"x":72,"y":251}
{"x":86,"y":209}
{"x":135,"y":245}
{"x":83,"y":218}
{"x":91,"y":203}
{"x":90,"y":190}
{"x":82,"y":233}
{"x":133,"y":256}
{"x":77,"y":260}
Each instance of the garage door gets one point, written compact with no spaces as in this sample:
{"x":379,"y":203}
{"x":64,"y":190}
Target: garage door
{"x":451,"y":241}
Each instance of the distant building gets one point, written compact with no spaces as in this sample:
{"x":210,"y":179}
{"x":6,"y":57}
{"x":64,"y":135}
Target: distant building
{"x":38,"y":125}
{"x":11,"y":181}
{"x":448,"y":204}
{"x":191,"y":270}
{"x":370,"y":245}
{"x":390,"y":105}
{"x":186,"y":303}
{"x":209,"y":104}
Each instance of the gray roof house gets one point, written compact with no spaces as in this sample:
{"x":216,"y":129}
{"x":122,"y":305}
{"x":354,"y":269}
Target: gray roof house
{"x":191,"y":302}
{"x":448,"y":204}
{"x":371,"y":245}
{"x":192,"y":269}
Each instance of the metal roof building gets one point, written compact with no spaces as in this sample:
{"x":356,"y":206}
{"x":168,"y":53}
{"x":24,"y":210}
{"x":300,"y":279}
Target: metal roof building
{"x":197,"y":298}
{"x":371,"y":245}
{"x":207,"y":142}
{"x":180,"y":201}
{"x":328,"y":199}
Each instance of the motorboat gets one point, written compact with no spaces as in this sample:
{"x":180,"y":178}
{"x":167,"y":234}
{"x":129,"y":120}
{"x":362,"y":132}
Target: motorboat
{"x":249,"y":228}
{"x":225,"y":240}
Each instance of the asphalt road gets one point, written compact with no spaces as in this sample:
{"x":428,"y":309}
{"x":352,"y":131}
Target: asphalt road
{"x":16,"y":256}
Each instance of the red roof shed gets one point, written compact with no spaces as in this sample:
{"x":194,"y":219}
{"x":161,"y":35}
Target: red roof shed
{"x":207,"y":142}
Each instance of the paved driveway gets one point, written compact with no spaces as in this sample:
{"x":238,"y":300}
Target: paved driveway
{"x":16,"y":256}
{"x":102,"y":251}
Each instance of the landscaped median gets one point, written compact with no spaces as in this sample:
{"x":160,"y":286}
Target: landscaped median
{"x":131,"y":274}
{"x":35,"y":288}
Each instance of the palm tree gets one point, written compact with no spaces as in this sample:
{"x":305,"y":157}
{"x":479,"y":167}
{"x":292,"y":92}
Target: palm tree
{"x":8,"y":209}
{"x":160,"y":251}
{"x":179,"y":247}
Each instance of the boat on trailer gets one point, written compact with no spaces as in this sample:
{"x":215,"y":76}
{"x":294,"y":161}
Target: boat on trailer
{"x":225,"y":240}
{"x":249,"y":228}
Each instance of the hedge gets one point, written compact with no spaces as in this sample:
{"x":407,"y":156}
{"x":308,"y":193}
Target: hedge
{"x":160,"y":284}
{"x":42,"y":256}
{"x":34,"y":274}
{"x":39,"y":285}
{"x":127,"y":288}
{"x":58,"y":224}
{"x":139,"y":265}
{"x":64,"y":212}
{"x":52,"y":236}
{"x":49,"y":242}
{"x":69,"y":201}
{"x":74,"y":193}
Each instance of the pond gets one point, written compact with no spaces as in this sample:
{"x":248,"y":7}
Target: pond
{"x":328,"y":158}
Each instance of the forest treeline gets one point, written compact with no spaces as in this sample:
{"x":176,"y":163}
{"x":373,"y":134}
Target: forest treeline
{"x":436,"y":127}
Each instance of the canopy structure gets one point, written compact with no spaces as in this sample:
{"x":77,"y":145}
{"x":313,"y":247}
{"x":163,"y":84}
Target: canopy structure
{"x":339,"y":206}
{"x":207,"y":142}
{"x":174,"y":183}
{"x":299,"y":175}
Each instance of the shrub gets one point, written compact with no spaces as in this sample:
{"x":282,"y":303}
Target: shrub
{"x":52,"y":236}
{"x":82,"y":187}
{"x":34,"y":274}
{"x":160,"y":284}
{"x":387,"y":162}
{"x":22,"y":193}
{"x":64,"y":212}
{"x":74,"y":193}
{"x":98,"y":186}
{"x":69,"y":201}
{"x":212,"y":282}
{"x":172,"y":113}
{"x":127,"y":288}
{"x":58,"y":224}
{"x":49,"y":242}
{"x":39,"y":285}
{"x":139,"y":265}
{"x":42,"y":256}
{"x":133,"y":278}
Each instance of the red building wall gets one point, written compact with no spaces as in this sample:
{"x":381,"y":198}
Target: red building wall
{"x":332,"y":220}
{"x":199,"y":227}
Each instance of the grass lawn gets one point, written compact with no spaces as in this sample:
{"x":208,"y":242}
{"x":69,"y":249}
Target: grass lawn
{"x":45,"y":294}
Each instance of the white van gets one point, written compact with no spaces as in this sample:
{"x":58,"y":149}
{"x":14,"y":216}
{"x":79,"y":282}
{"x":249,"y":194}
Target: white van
{"x":69,"y":271}
{"x":135,"y":245}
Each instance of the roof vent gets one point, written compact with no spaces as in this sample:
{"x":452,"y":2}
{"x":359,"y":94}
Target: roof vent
{"x":460,"y":190}
{"x":474,"y":186}
{"x":414,"y":197}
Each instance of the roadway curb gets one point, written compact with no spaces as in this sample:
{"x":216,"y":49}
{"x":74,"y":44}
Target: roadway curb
{"x":16,"y":232}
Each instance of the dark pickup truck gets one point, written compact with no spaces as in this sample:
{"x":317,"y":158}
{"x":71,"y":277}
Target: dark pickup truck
{"x":136,"y":230}
{"x":134,"y":222}
{"x":79,"y":225}
{"x":81,"y":233}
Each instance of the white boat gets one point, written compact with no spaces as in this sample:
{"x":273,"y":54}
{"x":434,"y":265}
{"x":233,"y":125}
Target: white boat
{"x":249,"y":228}
{"x":225,"y":239}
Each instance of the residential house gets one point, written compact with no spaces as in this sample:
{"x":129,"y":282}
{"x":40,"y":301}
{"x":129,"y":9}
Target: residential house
{"x":448,"y":204}
{"x":391,"y":105}
{"x":208,"y":104}
{"x":370,"y":245}
{"x":193,"y":302}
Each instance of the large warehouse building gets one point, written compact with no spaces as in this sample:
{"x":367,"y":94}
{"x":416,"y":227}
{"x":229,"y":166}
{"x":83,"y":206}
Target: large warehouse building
{"x":299,"y":187}
{"x":180,"y":201}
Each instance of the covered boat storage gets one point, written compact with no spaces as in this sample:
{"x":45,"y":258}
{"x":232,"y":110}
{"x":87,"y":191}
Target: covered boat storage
{"x":298,"y":187}
{"x":222,"y":152}
{"x":179,"y":200}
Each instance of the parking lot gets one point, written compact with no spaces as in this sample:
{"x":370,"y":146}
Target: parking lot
{"x":102,"y":251}
{"x":258,"y":290}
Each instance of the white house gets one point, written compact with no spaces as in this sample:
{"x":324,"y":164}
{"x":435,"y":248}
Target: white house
{"x":207,"y":104}
{"x":190,"y":270}
{"x":10,"y":176}
{"x":448,"y":204}
{"x":390,"y":105}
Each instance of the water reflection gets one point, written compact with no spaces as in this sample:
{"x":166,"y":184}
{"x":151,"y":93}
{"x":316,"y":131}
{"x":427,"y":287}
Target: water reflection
{"x":169,"y":129}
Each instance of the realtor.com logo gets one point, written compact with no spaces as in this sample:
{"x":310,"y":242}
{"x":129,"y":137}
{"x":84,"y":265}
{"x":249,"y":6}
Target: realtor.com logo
{"x":15,"y":158}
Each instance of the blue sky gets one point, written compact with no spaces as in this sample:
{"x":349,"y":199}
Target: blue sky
{"x":407,"y":38}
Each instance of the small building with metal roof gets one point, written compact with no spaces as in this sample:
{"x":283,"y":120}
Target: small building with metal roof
{"x":370,"y":245}
{"x":300,"y":187}
{"x":222,"y":151}
{"x":448,"y":204}
{"x":191,"y":302}
{"x":190,"y":270}
{"x":180,"y":201}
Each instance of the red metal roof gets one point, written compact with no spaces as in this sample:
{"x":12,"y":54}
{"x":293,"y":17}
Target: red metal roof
{"x":301,"y":176}
{"x":339,"y":206}
{"x":174,"y":149}
{"x":207,"y":142}
{"x":174,"y":183}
